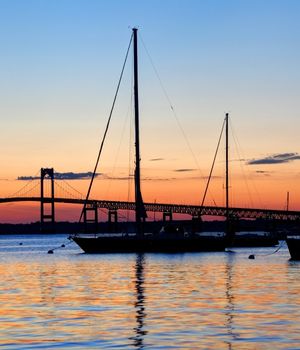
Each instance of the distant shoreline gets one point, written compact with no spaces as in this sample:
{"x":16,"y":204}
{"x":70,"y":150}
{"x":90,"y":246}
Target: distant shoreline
{"x":153,"y":226}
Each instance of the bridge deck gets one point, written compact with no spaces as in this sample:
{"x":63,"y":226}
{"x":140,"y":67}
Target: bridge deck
{"x":193,"y":210}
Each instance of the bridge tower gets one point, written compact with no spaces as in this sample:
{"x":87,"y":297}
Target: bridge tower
{"x":47,"y":212}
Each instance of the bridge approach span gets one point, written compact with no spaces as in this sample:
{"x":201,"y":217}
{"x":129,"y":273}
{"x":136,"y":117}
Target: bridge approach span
{"x":193,"y":210}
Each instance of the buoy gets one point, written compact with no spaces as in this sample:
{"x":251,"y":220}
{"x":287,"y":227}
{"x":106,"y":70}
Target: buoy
{"x":50,"y":251}
{"x":251,"y":256}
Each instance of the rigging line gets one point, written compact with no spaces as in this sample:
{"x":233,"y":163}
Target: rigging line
{"x":275,"y":251}
{"x":118,"y":150}
{"x":171,"y":105}
{"x":242,"y":169}
{"x":102,"y":142}
{"x":173,"y":110}
{"x":106,"y":130}
{"x":212,"y":167}
{"x":246,"y":178}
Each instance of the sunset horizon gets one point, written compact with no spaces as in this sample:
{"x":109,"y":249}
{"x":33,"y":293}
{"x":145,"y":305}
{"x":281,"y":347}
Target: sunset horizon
{"x":59,"y":83}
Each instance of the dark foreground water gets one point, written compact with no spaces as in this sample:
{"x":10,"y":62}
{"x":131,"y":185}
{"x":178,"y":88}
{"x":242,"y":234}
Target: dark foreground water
{"x":152,"y":301}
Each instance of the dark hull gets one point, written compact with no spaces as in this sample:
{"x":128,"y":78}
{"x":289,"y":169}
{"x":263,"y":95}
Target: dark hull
{"x":293,"y":244}
{"x":129,"y":244}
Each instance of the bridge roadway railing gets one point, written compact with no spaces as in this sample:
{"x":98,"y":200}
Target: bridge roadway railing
{"x":193,"y":210}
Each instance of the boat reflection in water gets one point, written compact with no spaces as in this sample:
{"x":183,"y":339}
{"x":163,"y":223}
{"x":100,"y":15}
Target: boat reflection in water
{"x":230,"y":308}
{"x":138,"y":339}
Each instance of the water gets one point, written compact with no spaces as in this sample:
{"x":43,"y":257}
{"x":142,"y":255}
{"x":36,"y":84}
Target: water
{"x":152,"y":301}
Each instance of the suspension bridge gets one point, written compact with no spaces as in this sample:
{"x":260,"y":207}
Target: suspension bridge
{"x":60,"y":191}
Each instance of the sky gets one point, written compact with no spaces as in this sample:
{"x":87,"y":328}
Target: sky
{"x":60,"y":64}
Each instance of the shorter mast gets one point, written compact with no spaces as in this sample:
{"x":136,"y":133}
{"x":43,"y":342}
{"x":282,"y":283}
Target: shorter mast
{"x":227,"y":171}
{"x":227,"y":175}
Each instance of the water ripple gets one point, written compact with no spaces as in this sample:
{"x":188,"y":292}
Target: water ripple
{"x":152,"y":301}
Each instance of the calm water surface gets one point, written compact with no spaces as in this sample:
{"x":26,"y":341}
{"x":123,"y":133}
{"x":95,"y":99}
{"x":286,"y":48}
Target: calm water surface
{"x":152,"y":301}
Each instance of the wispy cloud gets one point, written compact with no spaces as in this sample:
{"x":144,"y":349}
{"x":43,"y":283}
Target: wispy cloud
{"x":131,"y":176}
{"x":184,"y":170}
{"x":62,"y":176}
{"x":27,"y":178}
{"x":116,"y":177}
{"x":156,"y":159}
{"x":275,"y":159}
{"x":263,"y":172}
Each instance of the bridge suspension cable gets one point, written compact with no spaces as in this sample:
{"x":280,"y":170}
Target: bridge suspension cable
{"x":29,"y":189}
{"x":67,"y":189}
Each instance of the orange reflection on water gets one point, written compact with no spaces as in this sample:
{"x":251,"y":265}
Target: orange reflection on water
{"x":205,"y":300}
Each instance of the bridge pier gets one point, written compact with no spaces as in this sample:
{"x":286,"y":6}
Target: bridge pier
{"x":167,"y":216}
{"x":112,"y":220}
{"x":90,"y":218}
{"x":197,"y":223}
{"x":47,"y":215}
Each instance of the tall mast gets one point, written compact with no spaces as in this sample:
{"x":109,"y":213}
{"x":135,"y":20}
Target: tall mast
{"x":139,"y":211}
{"x":227,"y":174}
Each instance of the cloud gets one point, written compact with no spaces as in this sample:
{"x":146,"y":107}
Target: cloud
{"x":124,"y":177}
{"x":131,"y":177}
{"x":263,"y":172}
{"x":28,"y":178}
{"x":275,"y":159}
{"x":156,"y":159}
{"x":184,"y":170}
{"x":74,"y":176}
{"x":159,"y":179}
{"x":62,"y":176}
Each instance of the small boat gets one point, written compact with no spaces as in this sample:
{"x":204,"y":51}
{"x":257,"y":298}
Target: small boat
{"x":167,"y":240}
{"x":293,"y":243}
{"x":254,"y":239}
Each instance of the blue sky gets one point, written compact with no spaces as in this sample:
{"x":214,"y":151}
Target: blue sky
{"x":60,"y":61}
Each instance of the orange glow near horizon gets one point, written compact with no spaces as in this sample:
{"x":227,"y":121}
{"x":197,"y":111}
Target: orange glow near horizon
{"x":266,"y":192}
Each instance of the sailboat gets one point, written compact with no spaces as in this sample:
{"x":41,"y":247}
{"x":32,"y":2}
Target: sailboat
{"x":140,"y":241}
